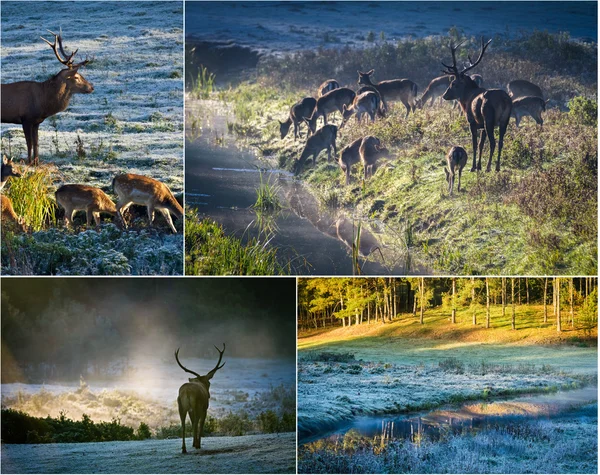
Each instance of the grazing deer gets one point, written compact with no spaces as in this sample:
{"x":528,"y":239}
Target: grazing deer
{"x":8,"y":216}
{"x":322,"y":139}
{"x":395,"y":89}
{"x":485,"y":109}
{"x":366,"y":103}
{"x":301,"y":110}
{"x":521,"y":88}
{"x":350,"y":155}
{"x":29,"y":103}
{"x":362,"y":89}
{"x":7,"y":171}
{"x":142,"y":190}
{"x":455,"y":160}
{"x":330,"y":102}
{"x":193,"y":399}
{"x":370,"y":150}
{"x":90,"y":199}
{"x":438,"y":86}
{"x":327,"y":86}
{"x":529,"y":105}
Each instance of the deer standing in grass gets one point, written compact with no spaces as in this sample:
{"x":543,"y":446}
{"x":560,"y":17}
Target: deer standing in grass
{"x":438,"y":86}
{"x":90,"y":199}
{"x":327,"y":86}
{"x":366,"y":103}
{"x":403,"y":90}
{"x":529,"y":105}
{"x":142,"y":190}
{"x":193,"y":399}
{"x":29,"y":103}
{"x":485,"y":109}
{"x":322,"y":139}
{"x":370,"y":150}
{"x":334,"y":100}
{"x":300,"y":111}
{"x":350,"y":156}
{"x":455,"y":162}
{"x":521,"y":88}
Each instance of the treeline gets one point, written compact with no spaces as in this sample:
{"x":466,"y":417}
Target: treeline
{"x":330,"y":302}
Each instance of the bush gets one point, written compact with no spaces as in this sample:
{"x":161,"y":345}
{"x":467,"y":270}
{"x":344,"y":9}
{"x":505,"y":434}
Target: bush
{"x":584,"y":111}
{"x":143,"y":431}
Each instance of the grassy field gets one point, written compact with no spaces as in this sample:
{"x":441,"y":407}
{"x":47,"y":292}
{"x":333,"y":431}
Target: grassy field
{"x":537,"y":216}
{"x":131,"y":123}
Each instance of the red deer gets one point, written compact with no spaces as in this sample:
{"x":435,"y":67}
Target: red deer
{"x":327,"y":86}
{"x":366,"y":103}
{"x":8,"y":216}
{"x":455,"y":161}
{"x":362,"y":89}
{"x":29,"y":103}
{"x":330,"y":102}
{"x":370,"y":150}
{"x":438,"y":86}
{"x":301,"y":110}
{"x":92,"y":200}
{"x":142,"y":190}
{"x":350,"y":155}
{"x":485,"y":109}
{"x":8,"y":171}
{"x":322,"y":139}
{"x":395,"y":89}
{"x":193,"y":399}
{"x":521,"y":88}
{"x":529,"y":105}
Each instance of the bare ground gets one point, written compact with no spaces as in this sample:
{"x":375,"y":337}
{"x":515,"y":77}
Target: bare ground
{"x":266,"y":453}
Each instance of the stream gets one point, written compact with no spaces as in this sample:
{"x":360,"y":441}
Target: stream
{"x":470,"y":417}
{"x":221,"y":183}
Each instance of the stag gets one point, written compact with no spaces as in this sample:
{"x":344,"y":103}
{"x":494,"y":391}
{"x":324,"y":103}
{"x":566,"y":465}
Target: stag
{"x":29,"y":103}
{"x":193,"y":399}
{"x":485,"y":109}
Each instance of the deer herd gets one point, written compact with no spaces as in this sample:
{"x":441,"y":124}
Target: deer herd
{"x":484,"y":109}
{"x":29,"y":103}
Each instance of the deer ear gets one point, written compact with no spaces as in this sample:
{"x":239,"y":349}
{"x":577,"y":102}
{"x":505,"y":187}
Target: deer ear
{"x":370,"y":72}
{"x":4,"y":159}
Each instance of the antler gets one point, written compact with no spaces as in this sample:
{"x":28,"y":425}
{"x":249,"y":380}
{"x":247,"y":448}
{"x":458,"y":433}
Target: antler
{"x":452,"y":70}
{"x":473,"y":64}
{"x":59,"y":50}
{"x":212,"y":372}
{"x":183,"y":367}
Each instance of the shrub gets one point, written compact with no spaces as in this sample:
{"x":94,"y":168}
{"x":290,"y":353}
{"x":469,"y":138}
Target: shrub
{"x":584,"y":111}
{"x":143,"y":431}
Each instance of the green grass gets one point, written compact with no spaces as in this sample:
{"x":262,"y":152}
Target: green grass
{"x":203,"y":84}
{"x":210,"y":252}
{"x":267,"y":195}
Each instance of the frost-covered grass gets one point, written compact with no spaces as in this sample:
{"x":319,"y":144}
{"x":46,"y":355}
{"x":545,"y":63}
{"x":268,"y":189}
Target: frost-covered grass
{"x":565,"y":445}
{"x":131,"y":123}
{"x":537,"y":216}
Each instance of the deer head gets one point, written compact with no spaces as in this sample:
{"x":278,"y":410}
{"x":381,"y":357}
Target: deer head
{"x":205,"y":380}
{"x":461,"y":82}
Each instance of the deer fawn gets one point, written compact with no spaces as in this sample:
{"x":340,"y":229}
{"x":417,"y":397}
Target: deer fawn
{"x":366,"y":103}
{"x":142,"y":190}
{"x":484,"y":109}
{"x":29,"y":103}
{"x":350,"y":155}
{"x":529,"y":105}
{"x":370,"y":150}
{"x":455,"y":160}
{"x":7,"y":171}
{"x":92,"y":200}
{"x":332,"y":101}
{"x":394,"y":89}
{"x":193,"y":399}
{"x":322,"y":139}
{"x":327,"y":86}
{"x":300,"y":111}
{"x":521,"y":88}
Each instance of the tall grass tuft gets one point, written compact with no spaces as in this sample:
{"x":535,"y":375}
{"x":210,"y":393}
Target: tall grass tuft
{"x":203,"y":84}
{"x":267,"y":198}
{"x":32,"y":196}
{"x":356,"y":269}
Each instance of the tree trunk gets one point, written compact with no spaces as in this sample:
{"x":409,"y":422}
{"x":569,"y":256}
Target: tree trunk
{"x":503,"y":296}
{"x":545,"y":300}
{"x":487,"y":297}
{"x":558,"y":326}
{"x":453,"y":299}
{"x":527,"y":288}
{"x":513,"y":304}
{"x":572,"y":315}
{"x":519,"y":292}
{"x":473,"y":300}
{"x":422,"y":299}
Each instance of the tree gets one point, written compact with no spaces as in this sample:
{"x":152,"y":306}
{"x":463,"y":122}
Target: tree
{"x":422,"y":299}
{"x":513,"y":303}
{"x":453,"y":299}
{"x":558,"y":326}
{"x":546,"y":300}
{"x":473,"y":304}
{"x":487,"y":304}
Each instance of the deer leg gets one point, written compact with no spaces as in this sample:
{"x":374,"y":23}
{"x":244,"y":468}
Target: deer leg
{"x":500,"y":144}
{"x":481,"y":145}
{"x":182,"y":416}
{"x":196,"y":442}
{"x":201,"y":431}
{"x":151,"y":214}
{"x":34,"y":131}
{"x":121,"y":208}
{"x":88,"y":217}
{"x":459,"y":176}
{"x":96,"y":215}
{"x":295,"y":131}
{"x":28,"y":140}
{"x":329,"y":153}
{"x":167,"y":215}
{"x":489,"y":128}
{"x":474,"y":140}
{"x":407,"y":105}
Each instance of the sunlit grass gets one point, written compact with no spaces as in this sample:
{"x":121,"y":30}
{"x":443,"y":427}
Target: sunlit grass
{"x":203,"y":84}
{"x":267,"y":195}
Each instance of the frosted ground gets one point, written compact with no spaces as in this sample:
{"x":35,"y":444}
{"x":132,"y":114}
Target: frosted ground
{"x":146,"y":391}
